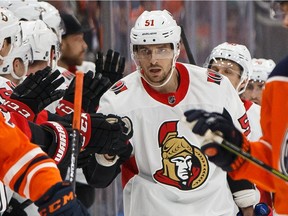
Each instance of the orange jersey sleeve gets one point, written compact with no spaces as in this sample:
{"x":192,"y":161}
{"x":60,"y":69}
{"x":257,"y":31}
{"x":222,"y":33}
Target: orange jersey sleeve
{"x":24,"y":167}
{"x":272,"y":148}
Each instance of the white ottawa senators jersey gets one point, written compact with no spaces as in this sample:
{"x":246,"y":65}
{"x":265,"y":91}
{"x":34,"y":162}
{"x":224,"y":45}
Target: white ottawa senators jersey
{"x":168,"y":174}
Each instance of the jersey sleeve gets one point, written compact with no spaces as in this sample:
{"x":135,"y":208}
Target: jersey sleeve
{"x":24,"y":167}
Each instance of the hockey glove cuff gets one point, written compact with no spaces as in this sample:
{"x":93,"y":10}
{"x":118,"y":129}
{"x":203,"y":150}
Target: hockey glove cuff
{"x":60,"y":200}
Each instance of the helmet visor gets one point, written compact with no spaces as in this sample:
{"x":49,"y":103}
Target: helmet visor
{"x":145,"y":52}
{"x":225,"y":67}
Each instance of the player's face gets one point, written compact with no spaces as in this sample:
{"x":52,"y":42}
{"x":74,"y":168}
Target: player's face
{"x":155,"y":62}
{"x":253,"y":91}
{"x":73,"y":49}
{"x":229,"y":69}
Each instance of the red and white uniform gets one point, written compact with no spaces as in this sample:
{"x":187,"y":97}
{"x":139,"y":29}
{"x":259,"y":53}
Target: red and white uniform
{"x":168,"y":174}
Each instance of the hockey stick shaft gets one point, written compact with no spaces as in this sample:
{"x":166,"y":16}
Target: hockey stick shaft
{"x":76,"y":126}
{"x":213,"y":137}
{"x":187,"y":47}
{"x":210,"y":136}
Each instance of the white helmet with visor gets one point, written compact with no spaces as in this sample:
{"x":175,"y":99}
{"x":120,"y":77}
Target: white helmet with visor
{"x":154,"y":28}
{"x":236,"y":53}
{"x":261,"y":69}
{"x":10,"y":28}
{"x":44,"y":42}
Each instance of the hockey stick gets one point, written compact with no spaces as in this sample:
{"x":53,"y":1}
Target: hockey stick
{"x":211,"y":136}
{"x":76,"y":126}
{"x":187,"y":47}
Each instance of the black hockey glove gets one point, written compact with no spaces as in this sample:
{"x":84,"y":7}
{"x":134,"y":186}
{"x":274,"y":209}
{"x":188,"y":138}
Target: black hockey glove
{"x":222,"y":126}
{"x":35,"y":93}
{"x":106,"y":134}
{"x":93,"y":89}
{"x":113,"y":67}
{"x":60,"y":200}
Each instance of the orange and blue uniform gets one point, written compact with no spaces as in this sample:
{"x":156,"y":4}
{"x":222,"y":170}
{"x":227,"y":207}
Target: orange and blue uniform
{"x":272,"y":148}
{"x":24,"y":167}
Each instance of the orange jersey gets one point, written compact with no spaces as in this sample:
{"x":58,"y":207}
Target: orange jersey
{"x":272,"y":148}
{"x":24,"y":167}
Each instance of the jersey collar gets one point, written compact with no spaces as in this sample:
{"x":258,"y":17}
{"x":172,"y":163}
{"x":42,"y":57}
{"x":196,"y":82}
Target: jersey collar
{"x":171,"y":99}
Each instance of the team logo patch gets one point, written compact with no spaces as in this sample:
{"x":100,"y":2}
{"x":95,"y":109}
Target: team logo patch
{"x":284,"y":155}
{"x":214,"y":77}
{"x":119,"y":87}
{"x":184,"y":166}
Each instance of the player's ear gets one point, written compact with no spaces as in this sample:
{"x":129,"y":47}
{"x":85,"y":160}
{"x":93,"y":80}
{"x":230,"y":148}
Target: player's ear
{"x":18,"y":67}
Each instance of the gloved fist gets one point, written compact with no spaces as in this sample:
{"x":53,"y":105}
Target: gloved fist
{"x":221,"y":126}
{"x":35,"y":93}
{"x":93,"y":89}
{"x":106,"y":134}
{"x":60,"y":200}
{"x":113,"y":67}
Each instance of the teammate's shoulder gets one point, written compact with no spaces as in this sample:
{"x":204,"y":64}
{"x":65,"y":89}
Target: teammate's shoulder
{"x":127,"y":84}
{"x":200,"y":73}
{"x":6,"y":83}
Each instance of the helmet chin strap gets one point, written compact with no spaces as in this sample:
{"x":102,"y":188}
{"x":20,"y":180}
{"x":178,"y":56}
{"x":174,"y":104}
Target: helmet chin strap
{"x":240,"y":91}
{"x":161,"y":85}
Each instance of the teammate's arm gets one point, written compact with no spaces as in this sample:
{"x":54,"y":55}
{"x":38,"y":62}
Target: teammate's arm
{"x":27,"y":170}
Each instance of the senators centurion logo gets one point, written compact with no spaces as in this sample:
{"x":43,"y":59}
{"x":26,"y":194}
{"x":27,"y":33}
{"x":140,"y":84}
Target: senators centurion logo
{"x":284,"y":155}
{"x":183,"y":165}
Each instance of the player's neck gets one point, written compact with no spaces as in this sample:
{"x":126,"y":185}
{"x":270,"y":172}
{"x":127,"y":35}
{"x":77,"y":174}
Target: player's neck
{"x":172,"y":85}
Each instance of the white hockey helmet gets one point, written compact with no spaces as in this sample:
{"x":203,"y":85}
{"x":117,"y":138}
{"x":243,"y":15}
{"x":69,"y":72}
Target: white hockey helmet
{"x":237,"y":53}
{"x":10,"y":28}
{"x":52,"y":18}
{"x":34,"y":10}
{"x":261,"y":69}
{"x":156,"y":27}
{"x":23,"y":52}
{"x":25,"y":10}
{"x":43,"y":41}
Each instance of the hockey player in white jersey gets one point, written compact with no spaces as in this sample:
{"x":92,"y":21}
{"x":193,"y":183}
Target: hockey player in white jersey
{"x":234,"y":61}
{"x":167,"y":173}
{"x":261,"y":69}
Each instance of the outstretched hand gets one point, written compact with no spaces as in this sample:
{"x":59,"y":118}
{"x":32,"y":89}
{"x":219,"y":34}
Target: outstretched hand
{"x":93,"y":88}
{"x":112,"y":66}
{"x":35,"y":93}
